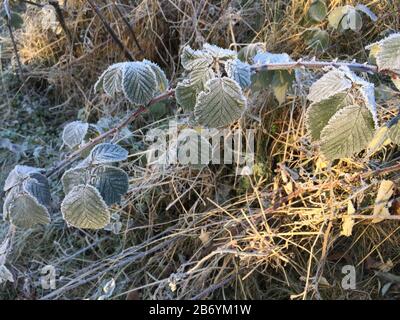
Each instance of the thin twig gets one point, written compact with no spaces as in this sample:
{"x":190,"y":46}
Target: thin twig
{"x":130,"y":28}
{"x":61,"y":19}
{"x":127,"y":53}
{"x":6,"y":6}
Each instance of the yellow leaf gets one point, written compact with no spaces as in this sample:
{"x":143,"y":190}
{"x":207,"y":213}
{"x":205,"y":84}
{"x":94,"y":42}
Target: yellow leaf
{"x":348,"y":221}
{"x":379,"y":140}
{"x":204,"y":236}
{"x":385,"y":192}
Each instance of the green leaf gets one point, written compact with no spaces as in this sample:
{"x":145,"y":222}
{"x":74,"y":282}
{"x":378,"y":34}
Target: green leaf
{"x":388,"y":58}
{"x":74,"y":133}
{"x":73,"y":177}
{"x":328,"y":85}
{"x":16,"y":20}
{"x":18,"y":175}
{"x":319,"y":113}
{"x":318,"y":40}
{"x":247,"y":53}
{"x":261,"y":80}
{"x":185,"y":95}
{"x":111,"y":182}
{"x":394,"y":130}
{"x":280,"y":84}
{"x":239,"y":71}
{"x":318,"y":10}
{"x":349,"y":131}
{"x":38,"y":187}
{"x":139,"y":82}
{"x":336,"y":16}
{"x":191,"y":59}
{"x":84,"y":208}
{"x":220,"y":104}
{"x":108,"y":152}
{"x":24,"y":211}
{"x":162,"y":81}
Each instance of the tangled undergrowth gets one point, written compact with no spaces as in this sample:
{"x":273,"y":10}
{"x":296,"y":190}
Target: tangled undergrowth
{"x":182,"y":233}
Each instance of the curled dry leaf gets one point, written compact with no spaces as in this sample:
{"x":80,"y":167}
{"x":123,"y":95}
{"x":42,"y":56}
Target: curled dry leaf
{"x":385,"y":192}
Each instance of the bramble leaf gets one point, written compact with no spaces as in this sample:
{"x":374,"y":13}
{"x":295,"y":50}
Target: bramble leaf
{"x":38,"y":187}
{"x":328,"y":85}
{"x":191,"y":59}
{"x":239,"y":71}
{"x":111,"y":182}
{"x":185,"y":95}
{"x":319,"y":113}
{"x":107,"y":152}
{"x":25,"y":211}
{"x":161,"y":78}
{"x":74,"y":133}
{"x":73,"y":177}
{"x":139,"y":82}
{"x":18,"y":174}
{"x":83,"y":207}
{"x":347,"y":132}
{"x":318,"y":10}
{"x":220,"y":104}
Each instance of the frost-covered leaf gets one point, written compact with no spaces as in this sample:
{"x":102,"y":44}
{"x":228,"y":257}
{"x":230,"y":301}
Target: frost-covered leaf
{"x":72,"y":178}
{"x":239,"y":71}
{"x":267,"y":57}
{"x":328,"y":85}
{"x":74,"y":133}
{"x":388,"y":56}
{"x":367,"y":11}
{"x":108,"y":152}
{"x":83,"y":207}
{"x":111,"y":79}
{"x":18,"y":174}
{"x":247,"y":53}
{"x":349,"y":131}
{"x":318,"y":10}
{"x":191,"y":59}
{"x":139,"y":82}
{"x":319,"y":113}
{"x":220,"y":104}
{"x":185,"y":95}
{"x":25,"y":211}
{"x":199,"y":76}
{"x":219,"y":53}
{"x":111,"y":182}
{"x":352,"y":20}
{"x":38,"y":186}
{"x":162,"y":81}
